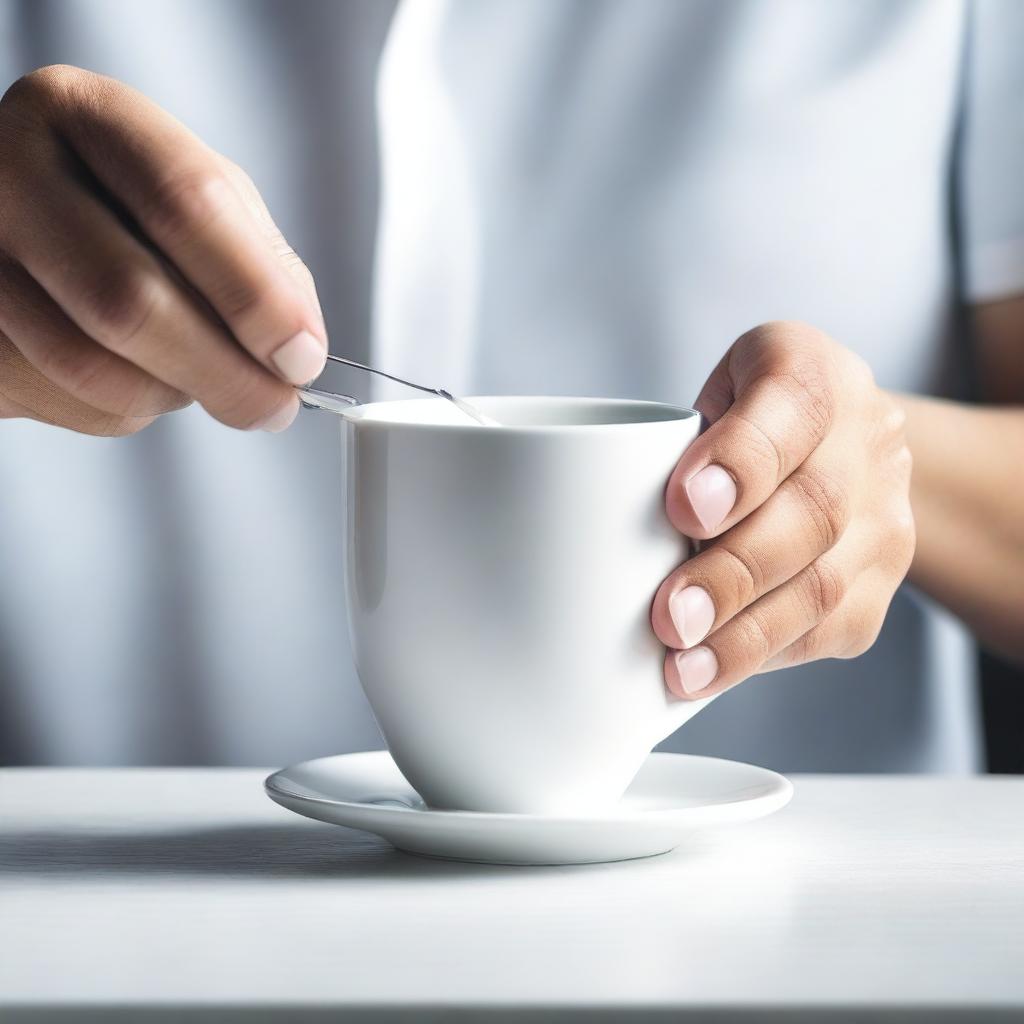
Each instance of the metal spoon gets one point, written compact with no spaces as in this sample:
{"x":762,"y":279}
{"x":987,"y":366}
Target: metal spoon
{"x":313,"y":398}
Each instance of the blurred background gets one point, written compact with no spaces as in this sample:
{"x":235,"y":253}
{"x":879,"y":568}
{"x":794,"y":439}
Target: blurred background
{"x":1002,"y":690}
{"x":155,"y":591}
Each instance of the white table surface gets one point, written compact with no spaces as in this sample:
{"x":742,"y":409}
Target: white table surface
{"x":184,"y":894}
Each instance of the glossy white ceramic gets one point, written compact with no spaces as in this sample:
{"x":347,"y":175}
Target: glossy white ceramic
{"x":671,"y":796}
{"x":500,"y":583}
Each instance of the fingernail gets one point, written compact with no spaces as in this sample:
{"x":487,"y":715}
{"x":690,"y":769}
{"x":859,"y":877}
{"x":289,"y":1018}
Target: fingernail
{"x":300,"y":359}
{"x":282,"y":419}
{"x":697,"y":668}
{"x":693,"y":614}
{"x":712,"y":493}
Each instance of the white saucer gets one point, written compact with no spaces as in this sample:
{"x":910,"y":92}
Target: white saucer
{"x":671,"y":796}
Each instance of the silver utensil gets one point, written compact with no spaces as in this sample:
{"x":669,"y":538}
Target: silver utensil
{"x":330,"y":401}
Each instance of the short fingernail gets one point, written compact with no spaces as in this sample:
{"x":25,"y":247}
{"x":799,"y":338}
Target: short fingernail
{"x":300,"y":359}
{"x":693,"y":614}
{"x":697,"y":668}
{"x":282,"y":419}
{"x":712,"y":493}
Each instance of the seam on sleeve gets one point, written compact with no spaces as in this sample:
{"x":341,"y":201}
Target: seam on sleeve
{"x":994,"y":270}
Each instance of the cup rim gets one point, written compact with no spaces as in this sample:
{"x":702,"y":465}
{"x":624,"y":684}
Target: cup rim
{"x":368,"y":414}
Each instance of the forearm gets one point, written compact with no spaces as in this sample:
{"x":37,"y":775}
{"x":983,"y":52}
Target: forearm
{"x":967,"y":494}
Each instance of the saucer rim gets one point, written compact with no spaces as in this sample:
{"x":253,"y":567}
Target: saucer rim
{"x":778,"y":794}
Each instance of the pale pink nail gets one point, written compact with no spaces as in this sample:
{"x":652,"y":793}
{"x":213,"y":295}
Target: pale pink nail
{"x":282,"y":419}
{"x":693,"y":614}
{"x":697,"y":668}
{"x":300,"y":359}
{"x":712,"y":493}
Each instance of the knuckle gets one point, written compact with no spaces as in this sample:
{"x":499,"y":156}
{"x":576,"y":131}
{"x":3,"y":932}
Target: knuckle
{"x":899,"y":531}
{"x":791,"y":356}
{"x":903,"y":526}
{"x":239,"y":299}
{"x":119,"y":303}
{"x":855,"y":650}
{"x":862,"y":642}
{"x":51,"y":90}
{"x":761,"y":344}
{"x":860,"y":369}
{"x":803,"y":649}
{"x":863,"y":632}
{"x":815,"y":644}
{"x":761,"y":447}
{"x":806,"y":382}
{"x":894,"y":420}
{"x":292,"y":261}
{"x":909,"y":539}
{"x":904,"y":463}
{"x":235,"y":171}
{"x":744,"y":571}
{"x":297,"y":269}
{"x":238,"y":176}
{"x":304,"y":274}
{"x":21,"y":92}
{"x":902,"y":539}
{"x":251,"y":304}
{"x":75,"y":368}
{"x":824,"y":502}
{"x":827,"y":588}
{"x":756,"y":636}
{"x":41,"y":87}
{"x":185,"y":203}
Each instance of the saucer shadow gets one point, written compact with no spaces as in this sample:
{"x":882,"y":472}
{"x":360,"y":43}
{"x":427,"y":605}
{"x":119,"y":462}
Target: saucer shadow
{"x":243,"y":851}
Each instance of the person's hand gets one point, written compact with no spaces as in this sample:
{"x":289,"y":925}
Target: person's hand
{"x":139,"y":269}
{"x":800,"y":490}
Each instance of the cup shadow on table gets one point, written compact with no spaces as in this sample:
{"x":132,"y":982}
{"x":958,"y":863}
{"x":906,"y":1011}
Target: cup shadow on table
{"x":243,"y":851}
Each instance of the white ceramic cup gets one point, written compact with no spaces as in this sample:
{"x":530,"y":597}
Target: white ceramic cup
{"x":500,"y":584}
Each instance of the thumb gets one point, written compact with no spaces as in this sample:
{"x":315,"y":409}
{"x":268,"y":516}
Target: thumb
{"x":718,"y":392}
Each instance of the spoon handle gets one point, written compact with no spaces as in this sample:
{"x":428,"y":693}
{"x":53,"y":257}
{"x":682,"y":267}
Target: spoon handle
{"x":390,"y":376}
{"x":313,"y":398}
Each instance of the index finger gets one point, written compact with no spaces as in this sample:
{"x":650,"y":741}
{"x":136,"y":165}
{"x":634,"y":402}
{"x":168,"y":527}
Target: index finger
{"x":175,"y":188}
{"x":775,"y":421}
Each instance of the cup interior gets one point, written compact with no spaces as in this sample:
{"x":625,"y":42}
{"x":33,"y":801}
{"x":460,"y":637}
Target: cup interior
{"x":521,"y":412}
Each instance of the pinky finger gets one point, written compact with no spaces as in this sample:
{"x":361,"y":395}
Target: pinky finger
{"x":739,"y":648}
{"x":847,"y":633}
{"x":75,"y":364}
{"x":10,"y":410}
{"x":25,"y":393}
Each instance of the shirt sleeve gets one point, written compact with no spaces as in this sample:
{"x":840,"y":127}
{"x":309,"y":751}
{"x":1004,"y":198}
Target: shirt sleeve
{"x":991,"y":179}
